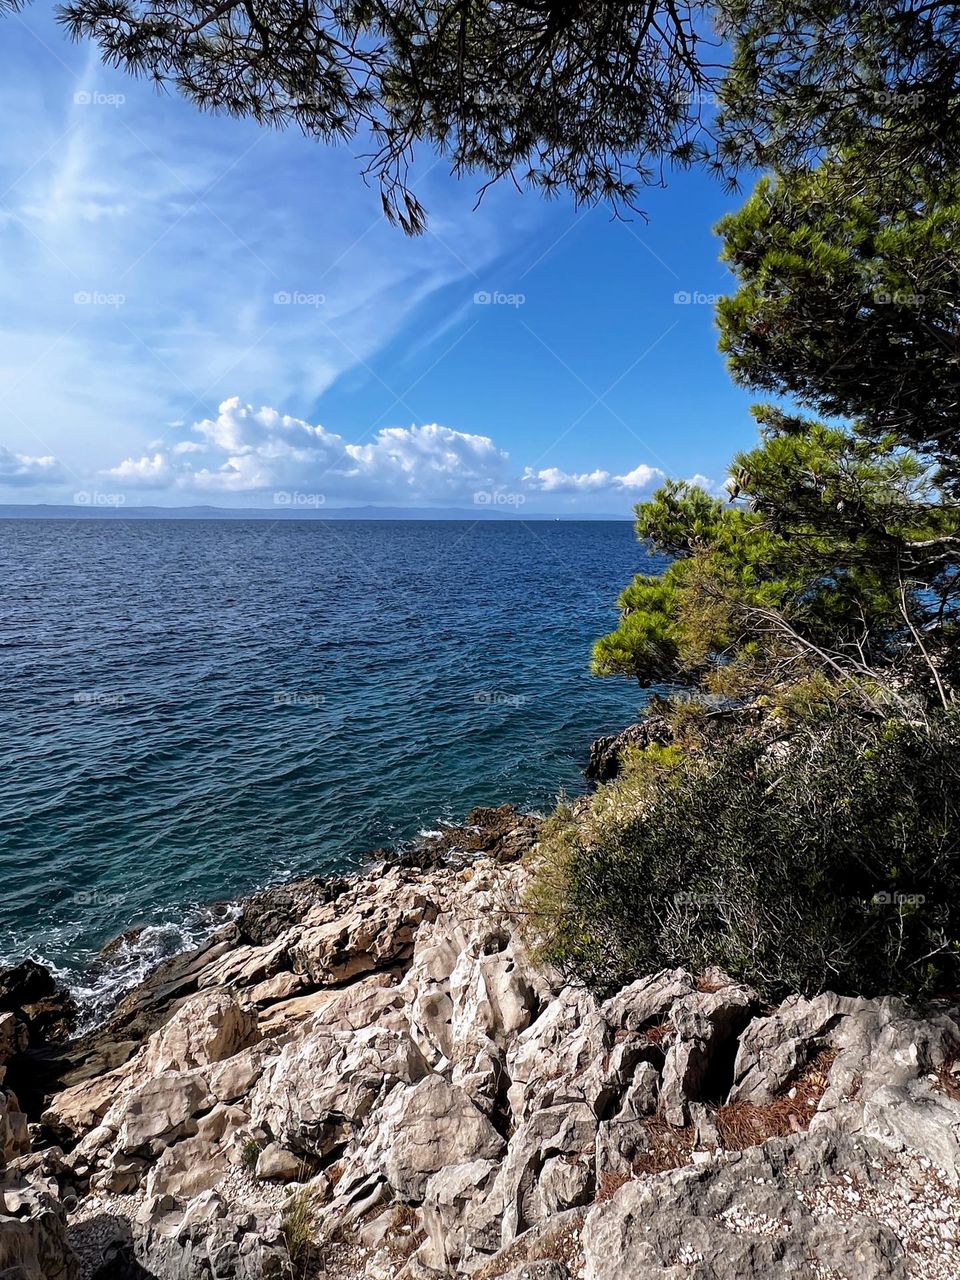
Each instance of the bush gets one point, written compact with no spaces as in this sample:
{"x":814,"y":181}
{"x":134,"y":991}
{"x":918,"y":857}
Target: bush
{"x":829,"y":860}
{"x":298,"y":1226}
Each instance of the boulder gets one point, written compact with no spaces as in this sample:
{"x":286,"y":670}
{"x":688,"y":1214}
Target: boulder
{"x":648,"y":1000}
{"x":161,"y":1111}
{"x":320,"y":1089}
{"x":276,"y":1164}
{"x":205,"y":1029}
{"x":47,"y":1009}
{"x":448,"y":1202}
{"x":567,"y":1131}
{"x":33,"y":1228}
{"x":700,"y":1060}
{"x":622,"y":1138}
{"x":564,"y":1042}
{"x":425,"y":1127}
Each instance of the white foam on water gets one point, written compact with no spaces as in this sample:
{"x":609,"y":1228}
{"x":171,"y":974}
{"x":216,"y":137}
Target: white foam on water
{"x":98,"y":988}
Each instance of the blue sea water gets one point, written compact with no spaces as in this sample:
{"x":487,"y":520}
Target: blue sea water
{"x":193,"y":709}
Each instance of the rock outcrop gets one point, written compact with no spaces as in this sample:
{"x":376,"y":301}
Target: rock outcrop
{"x":33,"y":1219}
{"x":604,"y":760}
{"x":372,"y":1078}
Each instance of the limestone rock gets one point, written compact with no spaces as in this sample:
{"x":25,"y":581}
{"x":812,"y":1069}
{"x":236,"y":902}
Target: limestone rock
{"x":80,"y":1108}
{"x":775,"y":1048}
{"x":748,"y":1219}
{"x":318,"y":1091}
{"x":14,"y":1138}
{"x":706,"y":1026}
{"x":449,"y":1197}
{"x":567,"y":1131}
{"x":386,"y":1043}
{"x":33,"y":1229}
{"x":207,"y":1028}
{"x":161,"y":1110}
{"x":276,"y":1164}
{"x":648,"y":1000}
{"x":426,"y":1127}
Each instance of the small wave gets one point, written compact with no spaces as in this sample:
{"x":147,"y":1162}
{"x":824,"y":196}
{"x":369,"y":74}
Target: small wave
{"x":98,"y":989}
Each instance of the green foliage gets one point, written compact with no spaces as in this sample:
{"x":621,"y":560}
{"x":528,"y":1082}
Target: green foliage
{"x":837,"y":562}
{"x":298,"y":1225}
{"x":590,"y":99}
{"x":597,"y":99}
{"x":829,"y":860}
{"x":812,"y":78}
{"x":848,"y":302}
{"x":250,"y":1153}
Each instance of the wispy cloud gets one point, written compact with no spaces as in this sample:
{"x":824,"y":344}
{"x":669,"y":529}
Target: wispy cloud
{"x":165,"y":259}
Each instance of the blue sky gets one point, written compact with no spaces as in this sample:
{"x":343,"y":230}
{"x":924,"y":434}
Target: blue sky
{"x":198,"y":310}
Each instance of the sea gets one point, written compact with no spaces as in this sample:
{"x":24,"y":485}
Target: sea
{"x":194,"y":709}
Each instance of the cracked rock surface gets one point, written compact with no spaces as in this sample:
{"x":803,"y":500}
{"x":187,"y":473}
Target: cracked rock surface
{"x":370,"y":1078}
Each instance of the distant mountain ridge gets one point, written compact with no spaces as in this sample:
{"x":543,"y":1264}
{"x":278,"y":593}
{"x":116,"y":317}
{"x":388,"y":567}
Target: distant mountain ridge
{"x":83,"y":511}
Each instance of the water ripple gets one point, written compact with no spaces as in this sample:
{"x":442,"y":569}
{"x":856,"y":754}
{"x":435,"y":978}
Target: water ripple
{"x":193,"y":709}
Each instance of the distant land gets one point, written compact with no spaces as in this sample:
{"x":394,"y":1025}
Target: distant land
{"x":46,"y":511}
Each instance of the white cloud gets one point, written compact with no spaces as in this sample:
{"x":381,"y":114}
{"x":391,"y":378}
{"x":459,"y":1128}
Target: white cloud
{"x":150,"y":472}
{"x":553,"y":480}
{"x":22,"y":469}
{"x":248,"y":450}
{"x":168,"y":222}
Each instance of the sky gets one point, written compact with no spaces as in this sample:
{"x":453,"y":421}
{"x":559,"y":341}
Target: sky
{"x":198,"y":310}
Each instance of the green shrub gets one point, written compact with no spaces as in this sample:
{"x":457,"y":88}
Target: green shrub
{"x":828,"y":860}
{"x":250,"y":1153}
{"x":298,"y":1226}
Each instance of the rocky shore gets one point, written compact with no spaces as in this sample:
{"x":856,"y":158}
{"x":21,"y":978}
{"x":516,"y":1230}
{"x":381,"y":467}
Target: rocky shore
{"x":370,"y":1077}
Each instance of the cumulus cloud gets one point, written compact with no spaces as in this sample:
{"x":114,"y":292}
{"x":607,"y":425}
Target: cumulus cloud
{"x":252,"y":451}
{"x":22,"y":469}
{"x":246,"y":450}
{"x":150,"y":472}
{"x":553,"y":480}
